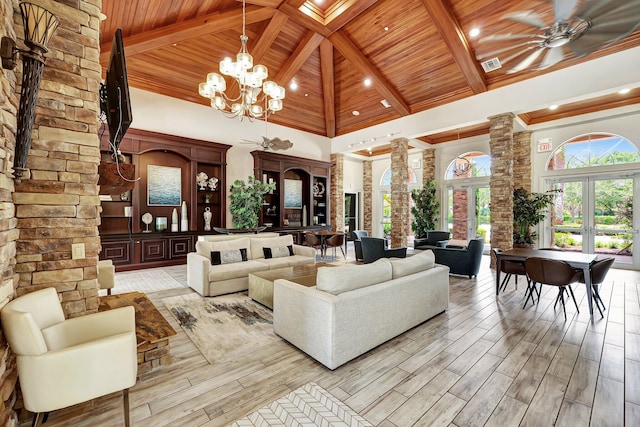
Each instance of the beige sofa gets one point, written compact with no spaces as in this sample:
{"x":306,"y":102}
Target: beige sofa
{"x":355,"y":308}
{"x":232,"y":274}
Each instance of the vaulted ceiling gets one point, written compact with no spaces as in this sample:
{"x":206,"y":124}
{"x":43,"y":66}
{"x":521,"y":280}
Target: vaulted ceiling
{"x":417,"y":54}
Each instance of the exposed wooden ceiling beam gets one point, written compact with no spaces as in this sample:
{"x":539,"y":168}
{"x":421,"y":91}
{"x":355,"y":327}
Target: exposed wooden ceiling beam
{"x":268,"y":36}
{"x":454,"y":37}
{"x":347,"y":12}
{"x":350,"y":51}
{"x":328,"y":85}
{"x":185,"y":30}
{"x":309,"y":23}
{"x":264,"y":3}
{"x":307,"y":46}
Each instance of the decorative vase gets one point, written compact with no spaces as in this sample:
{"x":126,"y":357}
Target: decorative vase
{"x":304,"y":216}
{"x":174,"y":220}
{"x":207,"y":218}
{"x":184,"y":223}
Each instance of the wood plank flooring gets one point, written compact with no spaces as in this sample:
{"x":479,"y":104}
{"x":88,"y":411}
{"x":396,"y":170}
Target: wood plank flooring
{"x":486,"y":361}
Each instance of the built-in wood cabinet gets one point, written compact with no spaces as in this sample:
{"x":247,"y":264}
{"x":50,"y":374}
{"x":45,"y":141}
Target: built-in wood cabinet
{"x":126,"y":239}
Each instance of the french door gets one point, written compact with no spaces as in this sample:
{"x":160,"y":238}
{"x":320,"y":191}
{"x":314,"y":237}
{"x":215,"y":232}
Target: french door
{"x":596,"y":215}
{"x":468,"y":212}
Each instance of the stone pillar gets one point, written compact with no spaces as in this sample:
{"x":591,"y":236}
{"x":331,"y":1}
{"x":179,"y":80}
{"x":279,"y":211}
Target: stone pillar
{"x":428,"y":165}
{"x":399,"y":192}
{"x":337,"y":192}
{"x":460,"y":214}
{"x":367,"y":196}
{"x":57,"y":204}
{"x":522,"y":160}
{"x":501,"y":181}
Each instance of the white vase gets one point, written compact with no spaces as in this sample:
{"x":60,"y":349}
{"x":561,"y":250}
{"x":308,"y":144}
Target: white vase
{"x":174,"y":220}
{"x":184,"y":222}
{"x":304,"y":216}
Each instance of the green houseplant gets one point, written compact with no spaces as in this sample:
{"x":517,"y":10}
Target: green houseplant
{"x":246,"y":200}
{"x":425,"y":210}
{"x":529,"y":209}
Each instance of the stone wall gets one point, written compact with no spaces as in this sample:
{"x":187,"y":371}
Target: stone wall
{"x":522,"y":160}
{"x":501,"y":181}
{"x":428,"y":165}
{"x":337,"y":192}
{"x":399,"y":192}
{"x":367,"y":196}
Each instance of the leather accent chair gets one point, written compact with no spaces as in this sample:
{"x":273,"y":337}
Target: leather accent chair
{"x":65,"y":362}
{"x":464,"y":261}
{"x":357,"y":244}
{"x":598,"y":272}
{"x":373,"y":249}
{"x":554,"y":273}
{"x":314,"y":241}
{"x":335,"y":241}
{"x":106,"y":275}
{"x":510,"y":268}
{"x":433,"y":239}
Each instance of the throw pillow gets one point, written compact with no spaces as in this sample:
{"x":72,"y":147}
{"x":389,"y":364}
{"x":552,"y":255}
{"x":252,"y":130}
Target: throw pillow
{"x":419,"y":262}
{"x":278,"y":252}
{"x":229,"y":256}
{"x":336,"y":280}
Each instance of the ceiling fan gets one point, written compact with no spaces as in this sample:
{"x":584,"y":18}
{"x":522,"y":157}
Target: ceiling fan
{"x":581,"y":30}
{"x":274,"y":144}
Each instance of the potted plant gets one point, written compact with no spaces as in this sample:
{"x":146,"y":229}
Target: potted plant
{"x":528,"y":210}
{"x":425,"y":209}
{"x":246,"y":200}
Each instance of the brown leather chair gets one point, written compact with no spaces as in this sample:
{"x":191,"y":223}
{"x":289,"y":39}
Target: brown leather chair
{"x":554,"y":273}
{"x":335,"y":241}
{"x":598,"y":272}
{"x":313,"y":241}
{"x":510,"y":268}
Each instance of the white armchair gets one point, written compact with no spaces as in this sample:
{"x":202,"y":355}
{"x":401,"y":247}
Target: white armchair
{"x":65,"y":362}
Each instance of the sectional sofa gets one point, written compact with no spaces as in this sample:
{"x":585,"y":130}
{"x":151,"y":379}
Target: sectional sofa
{"x":221,"y":263}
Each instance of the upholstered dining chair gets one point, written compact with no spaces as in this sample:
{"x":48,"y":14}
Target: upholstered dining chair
{"x":598,"y":272}
{"x":373,"y":249}
{"x":335,"y":241}
{"x":554,"y":273}
{"x":65,"y":362}
{"x":510,"y":268}
{"x":314,"y":241}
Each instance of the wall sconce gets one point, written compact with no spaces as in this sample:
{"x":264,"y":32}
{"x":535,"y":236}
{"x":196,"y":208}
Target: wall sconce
{"x":39,"y":26}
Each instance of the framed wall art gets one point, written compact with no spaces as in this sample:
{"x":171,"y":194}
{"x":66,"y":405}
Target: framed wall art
{"x":164,"y":186}
{"x":292,"y":194}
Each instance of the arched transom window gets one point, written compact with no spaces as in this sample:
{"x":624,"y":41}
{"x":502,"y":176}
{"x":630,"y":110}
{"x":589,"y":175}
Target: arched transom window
{"x":469,"y":165}
{"x":594,"y":149}
{"x":385,"y":181}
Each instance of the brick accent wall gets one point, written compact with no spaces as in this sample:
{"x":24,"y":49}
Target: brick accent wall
{"x":522,"y":160}
{"x":501,"y":181}
{"x":367,"y":196}
{"x":460,"y":214}
{"x":399,"y":192}
{"x":428,"y":165}
{"x":337,"y":192}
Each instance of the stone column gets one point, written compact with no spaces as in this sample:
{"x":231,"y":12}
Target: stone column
{"x":57,"y":204}
{"x":337,"y":192}
{"x":501,"y":181}
{"x":399,"y":192}
{"x":367,"y":196}
{"x":522,"y":160}
{"x":428,"y":165}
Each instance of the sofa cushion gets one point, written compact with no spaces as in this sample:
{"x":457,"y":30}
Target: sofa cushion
{"x":336,"y":280}
{"x":233,"y":271}
{"x":258,"y":245}
{"x":419,"y":262}
{"x":228,"y":257}
{"x":205,"y":248}
{"x":278,"y":252}
{"x":287,"y":261}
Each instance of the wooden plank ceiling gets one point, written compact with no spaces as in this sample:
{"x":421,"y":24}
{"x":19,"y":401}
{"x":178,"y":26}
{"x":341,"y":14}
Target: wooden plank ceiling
{"x":416,"y":53}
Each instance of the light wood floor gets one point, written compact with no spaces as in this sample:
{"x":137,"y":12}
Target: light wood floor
{"x":486,"y":361}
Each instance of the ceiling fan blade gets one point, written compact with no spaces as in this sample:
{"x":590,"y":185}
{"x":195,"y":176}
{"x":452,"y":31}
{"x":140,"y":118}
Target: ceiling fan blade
{"x":518,"y":54}
{"x":553,"y":56}
{"x":500,"y":37}
{"x":527,"y":61}
{"x":563,"y":9}
{"x":496,"y":52}
{"x":527,"y":18}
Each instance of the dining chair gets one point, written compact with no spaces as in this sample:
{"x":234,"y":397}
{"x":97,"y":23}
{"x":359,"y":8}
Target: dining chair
{"x":335,"y":241}
{"x":598,"y":272}
{"x":553,"y":273}
{"x":510,"y":268}
{"x":315,"y":242}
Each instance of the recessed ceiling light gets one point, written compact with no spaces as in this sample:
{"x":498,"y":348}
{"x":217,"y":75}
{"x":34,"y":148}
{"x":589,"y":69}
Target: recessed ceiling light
{"x":318,"y":1}
{"x":624,"y":91}
{"x":367,"y":82}
{"x":475,"y":32}
{"x":293,"y":85}
{"x":553,"y":107}
{"x":355,"y":112}
{"x":386,"y":28}
{"x":306,"y":94}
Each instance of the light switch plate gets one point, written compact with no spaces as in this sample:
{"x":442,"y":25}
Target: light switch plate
{"x":77,"y":251}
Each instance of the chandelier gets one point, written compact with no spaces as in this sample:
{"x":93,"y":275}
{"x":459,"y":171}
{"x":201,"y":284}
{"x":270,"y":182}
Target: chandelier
{"x":255,"y":100}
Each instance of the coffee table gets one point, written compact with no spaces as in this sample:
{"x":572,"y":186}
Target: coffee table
{"x":261,"y":282}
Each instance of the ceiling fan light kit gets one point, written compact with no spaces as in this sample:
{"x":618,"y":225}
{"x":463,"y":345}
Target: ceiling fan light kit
{"x":251,"y":82}
{"x":591,"y":26}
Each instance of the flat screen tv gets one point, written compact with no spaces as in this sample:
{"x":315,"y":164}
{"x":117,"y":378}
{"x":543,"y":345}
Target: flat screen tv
{"x":114,"y":94}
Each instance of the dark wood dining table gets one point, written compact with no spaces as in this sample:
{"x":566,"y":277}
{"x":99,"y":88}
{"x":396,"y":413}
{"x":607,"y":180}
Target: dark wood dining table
{"x":577,"y":260}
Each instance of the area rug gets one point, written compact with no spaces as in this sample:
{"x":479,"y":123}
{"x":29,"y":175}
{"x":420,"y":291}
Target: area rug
{"x":223,"y":327}
{"x":149,"y":280}
{"x":310,"y":405}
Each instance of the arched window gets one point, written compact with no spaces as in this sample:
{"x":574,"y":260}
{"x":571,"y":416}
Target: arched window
{"x":385,"y":181}
{"x":469,"y":165}
{"x":594,"y":149}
